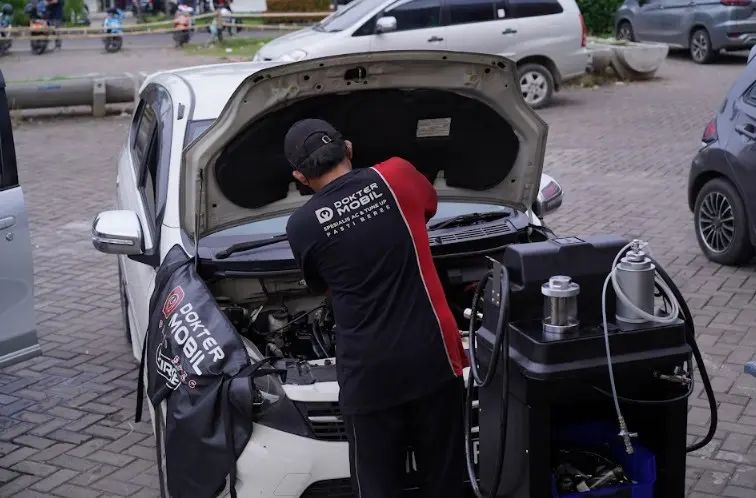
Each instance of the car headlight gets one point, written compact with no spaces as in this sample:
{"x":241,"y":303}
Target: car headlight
{"x":293,"y":56}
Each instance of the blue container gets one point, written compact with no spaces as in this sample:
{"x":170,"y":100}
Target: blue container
{"x":640,"y":467}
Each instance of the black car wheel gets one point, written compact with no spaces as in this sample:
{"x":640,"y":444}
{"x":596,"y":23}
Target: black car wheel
{"x":700,"y":47}
{"x":124,"y":305}
{"x":722,"y":223}
{"x":625,"y":31}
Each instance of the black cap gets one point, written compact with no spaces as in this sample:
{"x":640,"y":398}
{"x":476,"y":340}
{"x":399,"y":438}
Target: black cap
{"x":307,"y":136}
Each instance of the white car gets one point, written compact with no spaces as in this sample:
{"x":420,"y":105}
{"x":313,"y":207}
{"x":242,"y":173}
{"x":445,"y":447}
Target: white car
{"x":546,"y":38}
{"x":203,"y":168}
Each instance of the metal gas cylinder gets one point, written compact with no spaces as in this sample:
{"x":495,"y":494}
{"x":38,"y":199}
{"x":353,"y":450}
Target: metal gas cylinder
{"x":635,"y":277}
{"x":560,"y":306}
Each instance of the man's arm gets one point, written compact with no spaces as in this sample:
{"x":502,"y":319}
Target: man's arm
{"x":302,"y":252}
{"x":426,"y":192}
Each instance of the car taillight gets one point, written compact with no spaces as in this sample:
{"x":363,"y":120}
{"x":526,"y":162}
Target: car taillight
{"x":735,"y":3}
{"x":710,"y":133}
{"x":584,"y":34}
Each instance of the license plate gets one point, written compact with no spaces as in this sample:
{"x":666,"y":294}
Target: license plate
{"x":411,"y":464}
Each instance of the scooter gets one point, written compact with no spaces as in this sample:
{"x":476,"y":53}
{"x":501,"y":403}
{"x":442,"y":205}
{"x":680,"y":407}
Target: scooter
{"x":113,"y":26}
{"x":38,"y":27}
{"x":182,"y":25}
{"x":6,"y":22}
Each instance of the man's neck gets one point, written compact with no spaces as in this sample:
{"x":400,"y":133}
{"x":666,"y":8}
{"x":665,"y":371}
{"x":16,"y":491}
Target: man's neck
{"x":337,"y":172}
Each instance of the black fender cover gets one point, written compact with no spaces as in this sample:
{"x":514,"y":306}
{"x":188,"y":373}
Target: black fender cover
{"x":196,"y":362}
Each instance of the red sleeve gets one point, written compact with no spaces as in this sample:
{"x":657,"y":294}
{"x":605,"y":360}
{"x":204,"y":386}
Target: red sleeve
{"x":424,"y":190}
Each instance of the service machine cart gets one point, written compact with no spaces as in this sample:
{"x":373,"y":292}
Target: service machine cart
{"x":582,"y":354}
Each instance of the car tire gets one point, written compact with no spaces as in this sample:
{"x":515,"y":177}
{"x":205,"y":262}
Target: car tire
{"x":700,"y":47}
{"x":625,"y":31}
{"x":721,"y":224}
{"x":124,"y":305}
{"x":537,"y":84}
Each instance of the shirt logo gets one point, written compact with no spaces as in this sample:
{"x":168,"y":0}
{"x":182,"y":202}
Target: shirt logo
{"x":324,"y":215}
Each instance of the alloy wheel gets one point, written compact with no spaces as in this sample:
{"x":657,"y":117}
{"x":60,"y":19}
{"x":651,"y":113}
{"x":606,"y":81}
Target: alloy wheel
{"x":699,"y":46}
{"x":534,"y":87}
{"x":625,"y":33}
{"x":716,"y":222}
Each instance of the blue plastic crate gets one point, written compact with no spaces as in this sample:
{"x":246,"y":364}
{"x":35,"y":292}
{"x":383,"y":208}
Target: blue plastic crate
{"x":640,"y":467}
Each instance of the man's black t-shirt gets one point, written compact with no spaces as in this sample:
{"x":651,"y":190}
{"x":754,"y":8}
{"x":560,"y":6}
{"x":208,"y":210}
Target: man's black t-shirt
{"x":363,"y":237}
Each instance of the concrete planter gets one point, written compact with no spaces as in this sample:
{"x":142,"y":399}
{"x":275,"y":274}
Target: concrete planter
{"x":629,"y":60}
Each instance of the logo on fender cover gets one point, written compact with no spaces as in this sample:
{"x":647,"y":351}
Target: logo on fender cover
{"x":173,"y":301}
{"x":167,"y":369}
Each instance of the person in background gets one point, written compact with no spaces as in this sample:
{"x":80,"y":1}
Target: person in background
{"x":54,"y":11}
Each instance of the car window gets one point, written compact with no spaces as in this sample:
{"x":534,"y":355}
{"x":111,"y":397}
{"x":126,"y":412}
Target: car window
{"x":147,"y":181}
{"x":274,"y":226}
{"x":470,"y":11}
{"x":415,"y":14}
{"x":529,"y":8}
{"x":145,"y":130}
{"x":8,"y":171}
{"x":345,"y":18}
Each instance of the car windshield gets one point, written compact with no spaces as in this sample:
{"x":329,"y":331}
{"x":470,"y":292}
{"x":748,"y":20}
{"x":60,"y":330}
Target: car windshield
{"x":277,"y":225}
{"x":346,"y":18}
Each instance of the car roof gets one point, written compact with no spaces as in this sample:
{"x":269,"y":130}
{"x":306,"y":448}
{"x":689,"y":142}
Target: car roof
{"x":211,"y":85}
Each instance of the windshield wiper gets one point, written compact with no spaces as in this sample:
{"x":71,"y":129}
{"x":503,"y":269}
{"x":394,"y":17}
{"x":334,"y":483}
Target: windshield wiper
{"x":469,"y":218}
{"x":249,"y":245}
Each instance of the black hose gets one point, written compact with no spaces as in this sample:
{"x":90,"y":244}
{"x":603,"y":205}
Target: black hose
{"x":501,"y":348}
{"x":690,"y":333}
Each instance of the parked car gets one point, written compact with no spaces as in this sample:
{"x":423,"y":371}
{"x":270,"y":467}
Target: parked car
{"x":547,"y":38}
{"x":203,"y":168}
{"x":18,"y":332}
{"x":722,"y":180}
{"x":704,"y":27}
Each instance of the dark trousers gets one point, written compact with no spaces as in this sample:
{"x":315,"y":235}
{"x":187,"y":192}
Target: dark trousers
{"x":433,"y":426}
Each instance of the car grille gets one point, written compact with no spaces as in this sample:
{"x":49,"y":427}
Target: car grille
{"x":474,"y":233}
{"x":327,"y":424}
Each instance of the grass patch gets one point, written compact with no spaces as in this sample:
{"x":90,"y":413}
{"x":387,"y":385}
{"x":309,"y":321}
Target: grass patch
{"x":591,"y":80}
{"x":229,"y":47}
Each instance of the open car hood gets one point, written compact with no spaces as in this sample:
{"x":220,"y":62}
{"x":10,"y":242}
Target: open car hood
{"x":459,"y":118}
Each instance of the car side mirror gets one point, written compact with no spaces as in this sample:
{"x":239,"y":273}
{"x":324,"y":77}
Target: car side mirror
{"x":118,"y":232}
{"x":549,"y":198}
{"x":385,"y":24}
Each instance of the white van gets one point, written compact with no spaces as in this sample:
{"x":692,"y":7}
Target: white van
{"x":546,"y":38}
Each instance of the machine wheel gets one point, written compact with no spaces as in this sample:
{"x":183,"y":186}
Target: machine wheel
{"x":113,"y":44}
{"x":537,"y":84}
{"x":625,"y":31}
{"x":700,"y":47}
{"x":124,"y":305}
{"x":722,"y":224}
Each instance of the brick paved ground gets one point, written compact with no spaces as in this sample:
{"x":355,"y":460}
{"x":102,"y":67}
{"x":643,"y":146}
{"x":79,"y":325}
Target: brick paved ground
{"x":622,"y":154}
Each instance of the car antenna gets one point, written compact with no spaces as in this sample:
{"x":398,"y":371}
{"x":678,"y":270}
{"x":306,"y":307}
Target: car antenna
{"x":197,"y":223}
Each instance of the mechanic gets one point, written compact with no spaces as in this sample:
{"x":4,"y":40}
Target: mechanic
{"x":362,"y":238}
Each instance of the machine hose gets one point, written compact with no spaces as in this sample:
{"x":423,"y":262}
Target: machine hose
{"x":500,"y":350}
{"x":690,"y":332}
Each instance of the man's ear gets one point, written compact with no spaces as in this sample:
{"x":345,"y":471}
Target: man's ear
{"x":348,"y":149}
{"x":300,"y":177}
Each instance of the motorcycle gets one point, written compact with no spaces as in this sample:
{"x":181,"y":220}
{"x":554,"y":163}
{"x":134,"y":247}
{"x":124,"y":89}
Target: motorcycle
{"x":6,"y":22}
{"x":182,"y":25}
{"x":113,"y":25}
{"x":38,"y":27}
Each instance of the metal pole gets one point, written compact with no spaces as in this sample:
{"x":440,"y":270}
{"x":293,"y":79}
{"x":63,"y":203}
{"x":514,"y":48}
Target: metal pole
{"x":70,"y":93}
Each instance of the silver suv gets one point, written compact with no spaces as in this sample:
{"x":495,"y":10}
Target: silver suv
{"x":704,"y":27}
{"x":546,"y":38}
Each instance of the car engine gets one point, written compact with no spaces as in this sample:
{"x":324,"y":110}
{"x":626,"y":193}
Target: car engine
{"x":290,"y":329}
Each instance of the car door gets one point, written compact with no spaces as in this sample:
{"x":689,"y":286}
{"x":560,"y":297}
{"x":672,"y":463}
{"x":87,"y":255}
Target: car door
{"x":741,"y":147}
{"x":137,"y":189}
{"x":474,"y":26}
{"x":18,"y":329}
{"x":675,"y":19}
{"x":528,"y":27}
{"x":646,"y":24}
{"x":418,"y":27}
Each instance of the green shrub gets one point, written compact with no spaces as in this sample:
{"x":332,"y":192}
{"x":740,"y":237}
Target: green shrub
{"x":73,"y":9}
{"x":19,"y":18}
{"x":599,"y":15}
{"x":295,"y":6}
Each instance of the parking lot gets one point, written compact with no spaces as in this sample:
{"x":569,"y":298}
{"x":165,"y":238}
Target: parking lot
{"x":622,"y":154}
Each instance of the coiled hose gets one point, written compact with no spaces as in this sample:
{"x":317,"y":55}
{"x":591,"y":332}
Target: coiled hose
{"x":500,"y":350}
